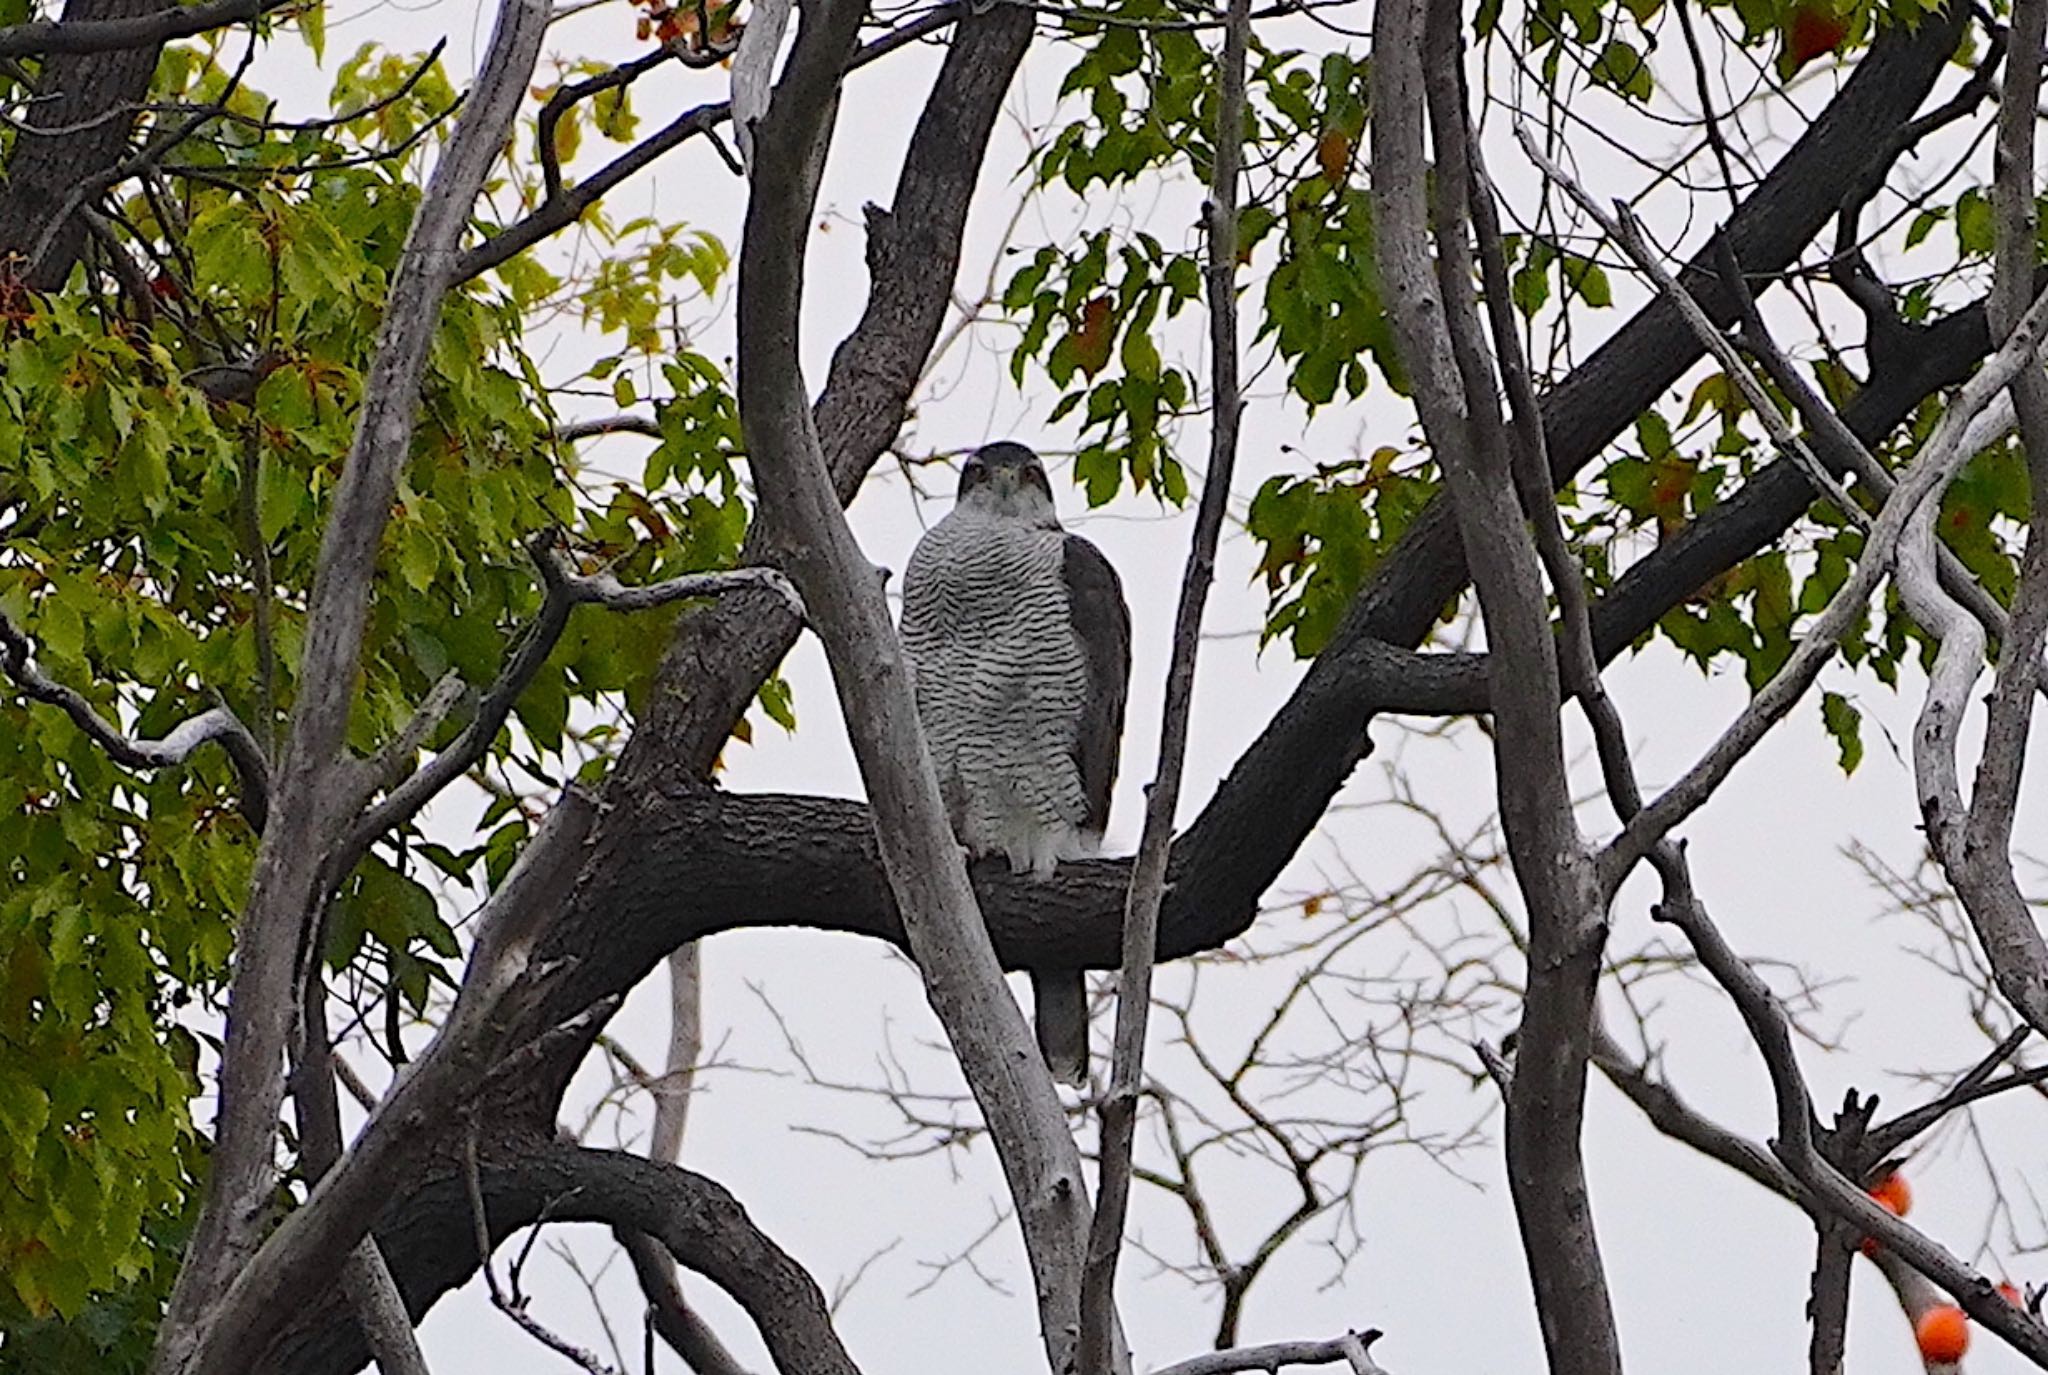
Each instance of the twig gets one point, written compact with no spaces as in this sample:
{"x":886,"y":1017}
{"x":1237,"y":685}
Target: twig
{"x":558,"y":104}
{"x":148,"y":156}
{"x":1971,"y":422}
{"x":561,"y":211}
{"x":1845,"y":452}
{"x":1621,"y":226}
{"x":217,"y":725}
{"x":1119,"y":1107}
{"x":1886,"y":1138}
{"x":473,"y":1184}
{"x":573,"y":431}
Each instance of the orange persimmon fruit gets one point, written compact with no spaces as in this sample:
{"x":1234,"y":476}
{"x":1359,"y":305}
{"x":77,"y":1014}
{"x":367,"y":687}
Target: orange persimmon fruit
{"x":1943,"y":1334}
{"x":1894,"y":1194}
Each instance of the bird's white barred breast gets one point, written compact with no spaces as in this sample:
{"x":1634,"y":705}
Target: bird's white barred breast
{"x":1000,"y":684}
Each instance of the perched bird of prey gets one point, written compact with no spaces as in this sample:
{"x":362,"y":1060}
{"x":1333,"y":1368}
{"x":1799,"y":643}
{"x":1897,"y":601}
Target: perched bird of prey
{"x":1020,"y":649}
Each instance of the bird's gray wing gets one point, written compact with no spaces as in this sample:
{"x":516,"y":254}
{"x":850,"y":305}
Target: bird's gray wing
{"x":1102,"y":625}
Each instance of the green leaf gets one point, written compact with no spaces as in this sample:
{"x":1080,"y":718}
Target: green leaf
{"x":313,"y":24}
{"x":1975,"y":232}
{"x":419,"y":556}
{"x":281,"y":496}
{"x":1844,"y":723}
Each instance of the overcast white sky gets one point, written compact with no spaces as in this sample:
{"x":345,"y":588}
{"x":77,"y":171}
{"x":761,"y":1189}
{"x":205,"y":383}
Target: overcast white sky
{"x":1705,"y":1269}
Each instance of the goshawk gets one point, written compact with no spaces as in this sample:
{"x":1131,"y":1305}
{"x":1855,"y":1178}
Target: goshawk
{"x":1020,"y":648}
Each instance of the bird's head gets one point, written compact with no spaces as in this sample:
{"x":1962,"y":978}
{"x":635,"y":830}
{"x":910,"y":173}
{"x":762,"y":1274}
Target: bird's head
{"x":1008,"y":480}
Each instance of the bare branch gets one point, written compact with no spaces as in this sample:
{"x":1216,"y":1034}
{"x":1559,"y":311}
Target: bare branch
{"x":1837,"y":445}
{"x":566,"y":589}
{"x":217,"y":725}
{"x":512,"y":1307}
{"x":1970,"y":423}
{"x":685,"y":1043}
{"x":576,"y":431}
{"x":1119,"y":1108}
{"x":559,"y":212}
{"x":1350,"y":1348}
{"x":1417,"y":55}
{"x":1978,"y":861}
{"x":312,"y":811}
{"x":1794,"y":1143}
{"x":436,"y":1088}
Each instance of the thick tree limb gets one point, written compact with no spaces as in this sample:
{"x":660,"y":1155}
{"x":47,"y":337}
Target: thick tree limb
{"x":1436,"y":318}
{"x":1283,"y":783}
{"x":920,"y":858}
{"x":1119,"y":1108}
{"x":140,"y":26}
{"x":309,"y":806}
{"x":387,"y":1327}
{"x":73,"y":90}
{"x":435,"y":1090}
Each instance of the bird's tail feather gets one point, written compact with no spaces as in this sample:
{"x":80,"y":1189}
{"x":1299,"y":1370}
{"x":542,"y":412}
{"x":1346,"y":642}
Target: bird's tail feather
{"x":1061,"y":998}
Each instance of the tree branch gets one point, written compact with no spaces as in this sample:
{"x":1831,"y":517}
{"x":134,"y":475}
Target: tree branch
{"x":920,"y":858}
{"x":217,"y":725}
{"x":563,"y":207}
{"x":50,"y":37}
{"x":312,"y":812}
{"x":769,"y":861}
{"x":1350,"y":1348}
{"x":72,"y":90}
{"x":1960,"y":434}
{"x":513,"y":1308}
{"x":566,"y":589}
{"x":1975,"y":848}
{"x":1418,"y":54}
{"x":1119,"y":1108}
{"x":1794,"y":1143}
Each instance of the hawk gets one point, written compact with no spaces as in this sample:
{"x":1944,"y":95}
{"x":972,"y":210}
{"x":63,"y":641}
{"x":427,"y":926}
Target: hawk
{"x":1019,"y":644}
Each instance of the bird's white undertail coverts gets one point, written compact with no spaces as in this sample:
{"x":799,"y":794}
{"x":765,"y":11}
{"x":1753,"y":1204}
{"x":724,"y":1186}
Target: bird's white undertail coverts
{"x":1019,"y":644}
